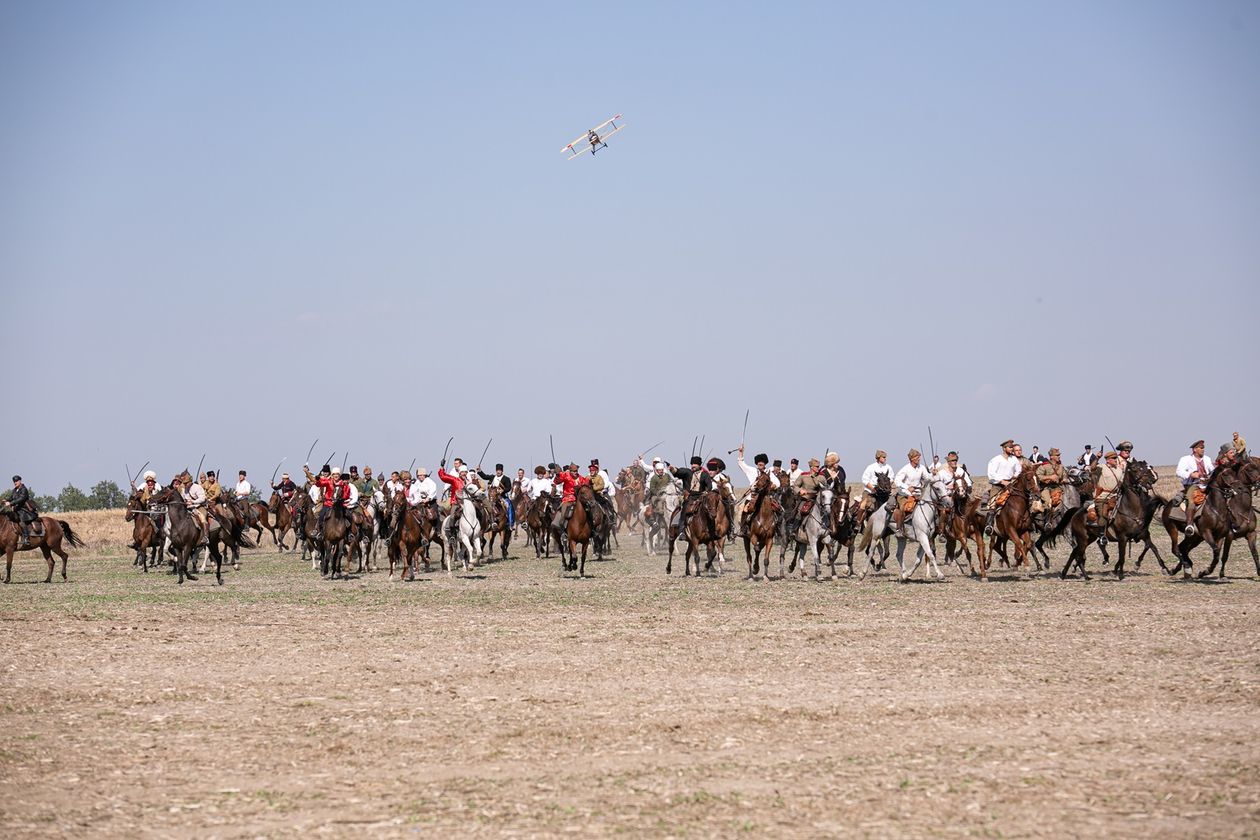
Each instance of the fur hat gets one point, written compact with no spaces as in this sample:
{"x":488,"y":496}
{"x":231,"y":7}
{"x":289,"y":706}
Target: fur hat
{"x":696,"y":460}
{"x":778,"y":462}
{"x":498,"y":466}
{"x":150,"y":474}
{"x":336,"y":470}
{"x":716,"y":465}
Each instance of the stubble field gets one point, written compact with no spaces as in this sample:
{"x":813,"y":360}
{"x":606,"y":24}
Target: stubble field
{"x":517,"y":702}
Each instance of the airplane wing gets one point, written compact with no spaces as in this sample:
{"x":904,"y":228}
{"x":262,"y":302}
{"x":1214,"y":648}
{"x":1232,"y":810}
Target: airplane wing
{"x":581,"y":145}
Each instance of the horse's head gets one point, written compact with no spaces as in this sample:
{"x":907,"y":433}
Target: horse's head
{"x":1140,"y":475}
{"x":1027,"y":478}
{"x":135,"y":503}
{"x":165,"y":496}
{"x":883,"y":484}
{"x":1249,"y":472}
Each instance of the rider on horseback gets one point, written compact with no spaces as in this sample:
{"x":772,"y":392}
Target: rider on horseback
{"x":696,"y":482}
{"x":1051,"y":475}
{"x":806,"y":485}
{"x":503,"y":484}
{"x":909,"y":480}
{"x":22,"y":507}
{"x":568,"y":481}
{"x":1108,"y":478}
{"x":1193,"y":470}
{"x":752,"y":473}
{"x":870,"y":479}
{"x":329,"y":483}
{"x":1003,"y":469}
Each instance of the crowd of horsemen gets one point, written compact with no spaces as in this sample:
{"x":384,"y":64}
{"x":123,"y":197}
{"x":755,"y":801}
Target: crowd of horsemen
{"x":649,"y":493}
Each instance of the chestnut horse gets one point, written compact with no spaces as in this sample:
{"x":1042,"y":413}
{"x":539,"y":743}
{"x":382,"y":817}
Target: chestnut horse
{"x":763,"y":524}
{"x":49,"y":542}
{"x":586,"y":519}
{"x":497,"y":524}
{"x":1014,"y":520}
{"x":146,"y":536}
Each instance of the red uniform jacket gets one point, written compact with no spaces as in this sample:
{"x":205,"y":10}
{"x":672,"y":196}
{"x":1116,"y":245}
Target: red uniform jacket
{"x":455,"y":481}
{"x":569,"y":485}
{"x":325,"y":485}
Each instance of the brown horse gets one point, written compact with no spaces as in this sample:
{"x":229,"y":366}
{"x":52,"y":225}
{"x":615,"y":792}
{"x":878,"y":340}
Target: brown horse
{"x":333,"y":534}
{"x":146,"y":536}
{"x":962,"y":523}
{"x":1130,"y":518}
{"x":706,"y":526}
{"x":283,"y":514}
{"x":185,"y":533}
{"x":412,"y":531}
{"x":629,"y":499}
{"x":585,"y":519}
{"x":1225,"y":515}
{"x":538,"y":519}
{"x":763,"y":524}
{"x":49,"y":543}
{"x":1014,"y":520}
{"x":497,"y":524}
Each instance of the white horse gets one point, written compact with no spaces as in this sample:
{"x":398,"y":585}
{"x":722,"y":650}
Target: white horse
{"x":469,"y":530}
{"x":919,"y":526}
{"x":817,"y":533}
{"x":656,"y":536}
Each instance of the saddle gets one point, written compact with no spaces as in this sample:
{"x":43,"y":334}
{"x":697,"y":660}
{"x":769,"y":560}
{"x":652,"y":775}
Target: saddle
{"x":806,"y":506}
{"x":909,"y":504}
{"x":1000,"y":499}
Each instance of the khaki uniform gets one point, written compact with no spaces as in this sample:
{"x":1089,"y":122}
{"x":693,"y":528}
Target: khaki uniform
{"x":1107,"y":481}
{"x":808,"y":485}
{"x":1051,"y":477}
{"x":213,"y":490}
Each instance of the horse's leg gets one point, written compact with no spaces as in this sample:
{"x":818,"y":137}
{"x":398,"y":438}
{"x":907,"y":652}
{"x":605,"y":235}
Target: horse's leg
{"x":1121,"y":545}
{"x":1216,"y":555}
{"x":1251,"y":544}
{"x":48,"y":558}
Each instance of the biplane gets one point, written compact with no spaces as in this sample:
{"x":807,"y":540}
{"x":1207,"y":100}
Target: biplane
{"x":594,"y":139}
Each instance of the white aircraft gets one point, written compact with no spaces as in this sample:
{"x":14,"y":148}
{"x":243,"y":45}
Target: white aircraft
{"x":593,"y":140}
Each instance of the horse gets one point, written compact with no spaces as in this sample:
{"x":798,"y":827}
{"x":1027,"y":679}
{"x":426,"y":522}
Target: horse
{"x":763,"y":524}
{"x":364,"y":535}
{"x":1134,"y":511}
{"x":225,"y":531}
{"x":654,"y":523}
{"x":538,"y":518}
{"x":183,"y":534}
{"x":48,"y":542}
{"x":1225,"y":515}
{"x":412,"y":530}
{"x":1014,"y":519}
{"x":498,"y":524}
{"x":146,"y":536}
{"x":629,"y":499}
{"x":706,"y":526}
{"x":586,"y":516}
{"x":333,"y":535}
{"x":817,"y":527}
{"x":959,"y":527}
{"x":283,"y":514}
{"x":843,"y":524}
{"x":465,"y":521}
{"x":864,"y":520}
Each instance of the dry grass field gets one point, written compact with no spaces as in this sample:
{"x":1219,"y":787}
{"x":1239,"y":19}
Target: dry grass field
{"x":517,"y":702}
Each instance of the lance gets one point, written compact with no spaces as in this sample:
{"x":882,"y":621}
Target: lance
{"x":276,"y":470}
{"x":447,"y":449}
{"x":309,"y":451}
{"x":482,"y":459}
{"x":552,"y":441}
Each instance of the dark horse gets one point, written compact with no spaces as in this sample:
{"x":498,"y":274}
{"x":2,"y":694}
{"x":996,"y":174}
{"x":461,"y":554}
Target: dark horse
{"x":538,"y":519}
{"x":586,"y":519}
{"x":334,"y":536}
{"x":283,"y":514}
{"x":497,"y":524}
{"x":1130,"y":520}
{"x":146,"y":534}
{"x":1225,"y":515}
{"x":185,"y":533}
{"x":49,"y":542}
{"x":707,"y":526}
{"x":412,"y":530}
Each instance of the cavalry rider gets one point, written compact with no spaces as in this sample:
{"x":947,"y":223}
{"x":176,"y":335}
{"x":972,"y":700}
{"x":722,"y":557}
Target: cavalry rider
{"x":1124,"y":449}
{"x":1088,"y":457}
{"x":955,"y":479}
{"x":696,"y":482}
{"x":806,"y":485}
{"x":610,"y":489}
{"x":600,"y":484}
{"x":1240,"y":446}
{"x":211,"y":486}
{"x":909,"y":481}
{"x":22,"y":506}
{"x":832,"y":471}
{"x":194,"y":496}
{"x":1019,"y":454}
{"x":1193,"y":470}
{"x":394,"y":484}
{"x":1051,"y":475}
{"x":328,"y":483}
{"x":794,"y":471}
{"x":752,"y":474}
{"x":1003,"y":469}
{"x":503,"y":484}
{"x":568,"y":481}
{"x":422,"y":494}
{"x":243,"y":488}
{"x":717,"y":470}
{"x":870,"y":479}
{"x":286,"y":488}
{"x":657,"y":484}
{"x":368,"y":486}
{"x":149,"y":487}
{"x":1108,"y":475}
{"x":354,"y":475}
{"x":539,"y":484}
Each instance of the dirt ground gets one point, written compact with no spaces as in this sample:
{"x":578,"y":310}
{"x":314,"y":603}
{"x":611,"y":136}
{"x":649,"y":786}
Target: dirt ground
{"x":517,"y":702}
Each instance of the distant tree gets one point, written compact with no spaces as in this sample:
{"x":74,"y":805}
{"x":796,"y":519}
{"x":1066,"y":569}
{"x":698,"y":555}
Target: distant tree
{"x":106,"y":495}
{"x":47,"y":504}
{"x":72,"y":498}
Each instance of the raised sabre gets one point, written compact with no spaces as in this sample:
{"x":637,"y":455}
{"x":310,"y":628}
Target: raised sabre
{"x":276,"y":470}
{"x":481,"y":460}
{"x":309,"y":451}
{"x":552,"y":441}
{"x":447,"y":449}
{"x":742,"y":434}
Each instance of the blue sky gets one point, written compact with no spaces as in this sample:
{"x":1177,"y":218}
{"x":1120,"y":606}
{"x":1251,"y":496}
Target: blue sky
{"x":232,"y":228}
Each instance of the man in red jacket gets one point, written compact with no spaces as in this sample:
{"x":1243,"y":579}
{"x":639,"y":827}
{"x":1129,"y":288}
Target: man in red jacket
{"x":568,"y":481}
{"x":330,"y":487}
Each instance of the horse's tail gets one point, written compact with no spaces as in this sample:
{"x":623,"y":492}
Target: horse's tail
{"x":1052,"y":536}
{"x":71,"y":536}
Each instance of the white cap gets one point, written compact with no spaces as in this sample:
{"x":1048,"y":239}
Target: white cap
{"x":463,"y":468}
{"x":150,"y":474}
{"x":336,"y":471}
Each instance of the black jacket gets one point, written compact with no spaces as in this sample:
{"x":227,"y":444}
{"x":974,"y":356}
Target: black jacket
{"x":501,"y":481}
{"x":706,"y":480}
{"x":20,"y":499}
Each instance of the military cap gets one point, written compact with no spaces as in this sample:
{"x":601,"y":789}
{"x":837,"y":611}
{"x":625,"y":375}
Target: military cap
{"x":1054,"y":450}
{"x":778,"y":462}
{"x":1196,"y":444}
{"x":16,"y":479}
{"x":762,"y":458}
{"x":1124,"y":445}
{"x":498,"y":466}
{"x":1007,"y":442}
{"x":796,"y":460}
{"x":1112,"y":454}
{"x":696,"y":460}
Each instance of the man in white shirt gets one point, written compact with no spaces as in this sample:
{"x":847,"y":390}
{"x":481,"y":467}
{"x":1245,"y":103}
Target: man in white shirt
{"x":954,"y":479}
{"x":539,"y":484}
{"x":794,"y":471}
{"x":870,"y":478}
{"x":242,"y":487}
{"x":1003,"y":469}
{"x":195,"y":499}
{"x":752,"y":474}
{"x":1193,"y":470}
{"x":394,"y":485}
{"x":909,"y":481}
